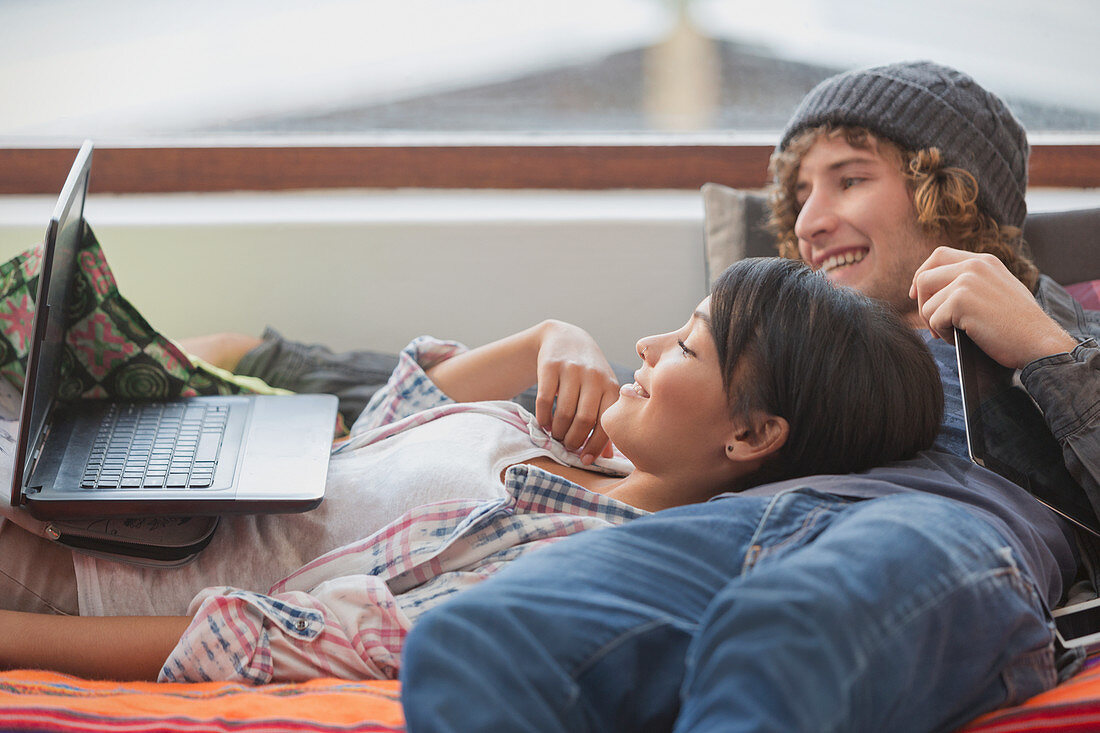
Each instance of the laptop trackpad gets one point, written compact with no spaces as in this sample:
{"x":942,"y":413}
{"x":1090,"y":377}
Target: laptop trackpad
{"x":288,"y":442}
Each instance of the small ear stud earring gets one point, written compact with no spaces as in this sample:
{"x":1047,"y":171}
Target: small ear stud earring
{"x":729,"y":448}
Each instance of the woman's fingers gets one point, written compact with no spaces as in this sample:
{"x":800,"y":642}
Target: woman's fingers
{"x":545,"y":394}
{"x":566,"y":407}
{"x":578,"y":411}
{"x":575,"y":385}
{"x":571,"y":412}
{"x":599,"y":444}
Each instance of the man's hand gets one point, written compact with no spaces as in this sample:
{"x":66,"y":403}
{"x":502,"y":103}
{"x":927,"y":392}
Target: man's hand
{"x":573,"y":370}
{"x":977,"y":293}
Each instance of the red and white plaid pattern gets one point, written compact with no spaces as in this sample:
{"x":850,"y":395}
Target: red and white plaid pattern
{"x":346,"y":613}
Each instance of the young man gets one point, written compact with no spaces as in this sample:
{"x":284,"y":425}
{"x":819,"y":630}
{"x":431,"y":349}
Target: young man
{"x":907,"y":182}
{"x":910,"y":597}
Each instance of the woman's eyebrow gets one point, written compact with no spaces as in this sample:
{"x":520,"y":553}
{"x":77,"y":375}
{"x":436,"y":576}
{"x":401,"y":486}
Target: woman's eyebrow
{"x":702,"y":316}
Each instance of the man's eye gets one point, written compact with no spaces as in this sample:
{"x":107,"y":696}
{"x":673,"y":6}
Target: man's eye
{"x":849,"y":182}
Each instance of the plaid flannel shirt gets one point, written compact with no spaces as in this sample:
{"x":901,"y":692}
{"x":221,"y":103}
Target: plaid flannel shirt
{"x":346,"y":613}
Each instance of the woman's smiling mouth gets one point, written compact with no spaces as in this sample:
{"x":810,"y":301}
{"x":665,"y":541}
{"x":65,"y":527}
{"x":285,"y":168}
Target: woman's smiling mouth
{"x":634,"y":390}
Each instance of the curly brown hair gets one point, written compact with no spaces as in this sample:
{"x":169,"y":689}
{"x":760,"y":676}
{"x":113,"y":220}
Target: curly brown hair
{"x":945,"y":197}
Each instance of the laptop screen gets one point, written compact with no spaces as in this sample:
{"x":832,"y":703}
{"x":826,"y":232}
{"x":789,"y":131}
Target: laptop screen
{"x":1007,"y":433}
{"x":44,"y":353}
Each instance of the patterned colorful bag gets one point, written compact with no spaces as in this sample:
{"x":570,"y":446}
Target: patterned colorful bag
{"x":110,"y":350}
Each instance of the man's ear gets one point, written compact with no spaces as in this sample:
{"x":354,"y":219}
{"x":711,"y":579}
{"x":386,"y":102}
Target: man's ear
{"x":762,"y":437}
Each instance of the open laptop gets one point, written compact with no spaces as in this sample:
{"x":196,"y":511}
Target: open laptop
{"x":1007,"y":433}
{"x":192,"y":456}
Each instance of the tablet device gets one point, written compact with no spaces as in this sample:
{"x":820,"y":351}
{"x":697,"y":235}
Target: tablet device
{"x":1007,"y":433}
{"x":1078,"y":624}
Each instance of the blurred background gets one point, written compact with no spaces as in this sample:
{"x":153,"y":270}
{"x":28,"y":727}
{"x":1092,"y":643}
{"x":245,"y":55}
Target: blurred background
{"x":330,"y":265}
{"x":119,"y":69}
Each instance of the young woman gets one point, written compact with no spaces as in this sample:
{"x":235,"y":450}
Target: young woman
{"x":776,"y":375}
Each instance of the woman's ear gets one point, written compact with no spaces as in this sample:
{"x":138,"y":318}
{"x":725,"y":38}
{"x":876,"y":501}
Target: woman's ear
{"x":763,"y":436}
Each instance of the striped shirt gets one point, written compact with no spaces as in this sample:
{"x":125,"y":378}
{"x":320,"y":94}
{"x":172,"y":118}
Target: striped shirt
{"x":346,"y":613}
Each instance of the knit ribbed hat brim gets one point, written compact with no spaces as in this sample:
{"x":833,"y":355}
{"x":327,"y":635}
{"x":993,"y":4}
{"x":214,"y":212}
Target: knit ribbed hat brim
{"x":923,"y":105}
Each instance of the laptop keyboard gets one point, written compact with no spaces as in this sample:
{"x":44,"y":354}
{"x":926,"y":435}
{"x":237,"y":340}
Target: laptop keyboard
{"x":156,"y":445}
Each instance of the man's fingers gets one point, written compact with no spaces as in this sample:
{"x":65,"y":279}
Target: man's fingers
{"x":936,"y":312}
{"x":941,"y":257}
{"x":928,"y":282}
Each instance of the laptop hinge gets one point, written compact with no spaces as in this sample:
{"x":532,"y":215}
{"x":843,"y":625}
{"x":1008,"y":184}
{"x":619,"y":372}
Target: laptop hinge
{"x":36,"y":454}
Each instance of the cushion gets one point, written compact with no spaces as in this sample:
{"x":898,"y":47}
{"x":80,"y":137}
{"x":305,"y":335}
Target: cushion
{"x":733,"y":228}
{"x":1064,"y":244}
{"x":1086,"y":293}
{"x":110,"y":350}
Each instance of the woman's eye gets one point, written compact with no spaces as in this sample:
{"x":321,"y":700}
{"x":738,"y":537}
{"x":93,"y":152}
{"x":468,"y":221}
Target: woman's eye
{"x":685,"y":349}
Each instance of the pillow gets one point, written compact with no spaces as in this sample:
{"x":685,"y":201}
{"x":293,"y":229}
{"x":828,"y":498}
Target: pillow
{"x":1086,"y":293}
{"x":1065,"y":244}
{"x":733,"y":228}
{"x":110,"y":350}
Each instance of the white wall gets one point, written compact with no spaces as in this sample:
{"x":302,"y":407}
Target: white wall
{"x":373,"y":269}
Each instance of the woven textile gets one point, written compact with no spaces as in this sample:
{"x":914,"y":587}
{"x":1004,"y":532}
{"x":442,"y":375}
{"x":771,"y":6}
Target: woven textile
{"x":110,"y":350}
{"x":46,"y":701}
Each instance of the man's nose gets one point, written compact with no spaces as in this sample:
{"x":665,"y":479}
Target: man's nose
{"x":817,"y":217}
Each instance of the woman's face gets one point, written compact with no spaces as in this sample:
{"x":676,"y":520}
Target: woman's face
{"x":676,"y":412}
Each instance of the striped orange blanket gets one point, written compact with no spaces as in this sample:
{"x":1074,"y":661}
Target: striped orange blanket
{"x":47,"y":701}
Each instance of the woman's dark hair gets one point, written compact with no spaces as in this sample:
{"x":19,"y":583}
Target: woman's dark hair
{"x":858,"y":387}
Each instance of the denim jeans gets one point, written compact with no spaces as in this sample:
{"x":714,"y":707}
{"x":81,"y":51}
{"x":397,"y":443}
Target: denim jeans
{"x":798,"y":612}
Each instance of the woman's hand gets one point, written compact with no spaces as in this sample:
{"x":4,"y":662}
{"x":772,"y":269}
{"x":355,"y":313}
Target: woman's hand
{"x":566,"y":364}
{"x":977,"y":293}
{"x":573,"y":370}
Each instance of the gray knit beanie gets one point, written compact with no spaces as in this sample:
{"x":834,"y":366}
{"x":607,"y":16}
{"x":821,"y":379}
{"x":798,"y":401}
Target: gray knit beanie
{"x":923,"y":105}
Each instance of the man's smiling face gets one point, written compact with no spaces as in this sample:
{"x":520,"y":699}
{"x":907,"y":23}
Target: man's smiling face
{"x":856,"y":219}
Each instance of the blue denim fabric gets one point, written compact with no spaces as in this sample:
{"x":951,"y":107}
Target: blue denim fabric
{"x":802,"y":611}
